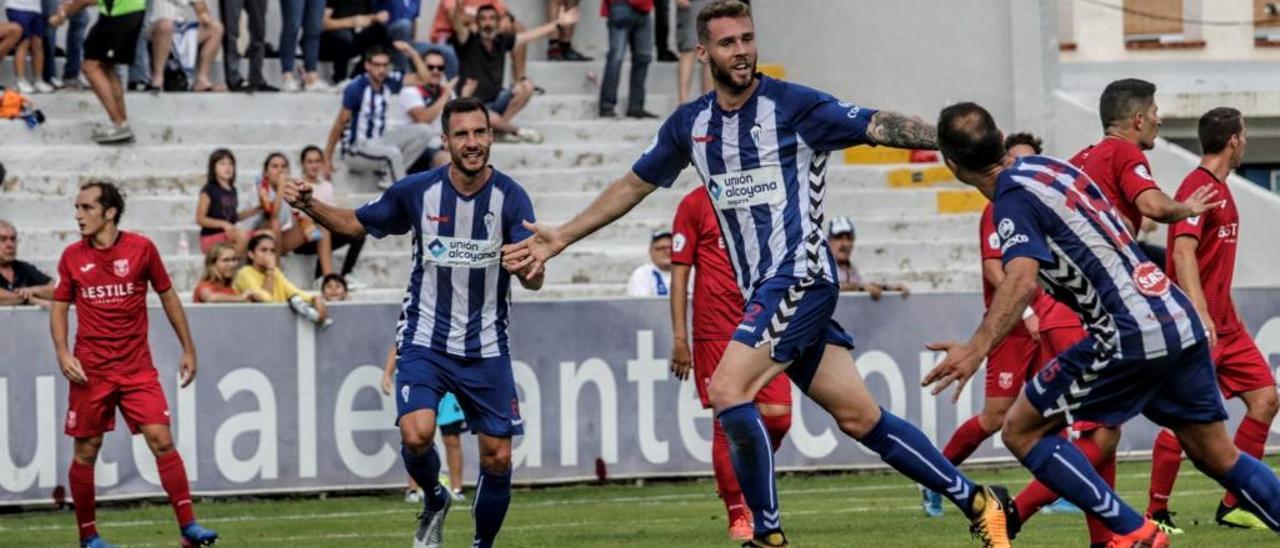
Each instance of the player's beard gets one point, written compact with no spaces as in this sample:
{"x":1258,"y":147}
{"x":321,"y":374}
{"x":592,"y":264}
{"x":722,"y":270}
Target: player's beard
{"x":725,"y":76}
{"x":458,"y":162}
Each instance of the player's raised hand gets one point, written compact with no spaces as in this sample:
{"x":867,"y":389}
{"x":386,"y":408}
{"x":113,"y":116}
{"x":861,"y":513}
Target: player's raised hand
{"x":71,"y":369}
{"x":960,"y":364}
{"x":1200,"y":200}
{"x":296,"y":192}
{"x":681,"y":359}
{"x":187,"y":368}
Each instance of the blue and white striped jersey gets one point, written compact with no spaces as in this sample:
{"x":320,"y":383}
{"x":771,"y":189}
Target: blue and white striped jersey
{"x":368,"y":107}
{"x":764,"y":166}
{"x":459,"y":294}
{"x":1048,"y":210}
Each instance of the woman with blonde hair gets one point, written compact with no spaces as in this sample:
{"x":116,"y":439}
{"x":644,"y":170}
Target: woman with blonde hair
{"x":220,"y":266}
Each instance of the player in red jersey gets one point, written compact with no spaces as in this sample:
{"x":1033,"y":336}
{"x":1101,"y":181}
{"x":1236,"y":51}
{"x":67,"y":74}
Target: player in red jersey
{"x":1202,"y":261}
{"x":718,"y":307}
{"x":106,"y":275}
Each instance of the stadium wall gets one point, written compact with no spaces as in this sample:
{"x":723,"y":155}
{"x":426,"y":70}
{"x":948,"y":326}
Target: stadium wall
{"x":280,"y":407}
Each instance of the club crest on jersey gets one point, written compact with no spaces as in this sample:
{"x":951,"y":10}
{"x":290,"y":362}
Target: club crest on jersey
{"x":993,"y":241}
{"x":1006,"y":380}
{"x":756,"y":130}
{"x":1142,"y":171}
{"x":677,"y":242}
{"x":1150,"y":280}
{"x":404,"y":393}
{"x":1193,"y":221}
{"x":488,"y":223}
{"x":121,"y":267}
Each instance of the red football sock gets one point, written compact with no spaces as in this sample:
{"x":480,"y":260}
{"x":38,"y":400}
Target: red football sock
{"x":778,"y":426}
{"x":1036,"y":495}
{"x":81,"y":478}
{"x":965,"y":441}
{"x":1251,"y":439}
{"x":1166,"y":458}
{"x":1098,"y":531}
{"x":726,"y":480}
{"x":173,"y":477}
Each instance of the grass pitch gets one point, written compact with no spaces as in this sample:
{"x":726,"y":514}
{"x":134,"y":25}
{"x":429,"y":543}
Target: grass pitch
{"x":876,"y":510}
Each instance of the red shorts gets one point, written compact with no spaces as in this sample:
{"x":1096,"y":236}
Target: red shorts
{"x":1057,"y":341}
{"x":1010,"y":363}
{"x":209,"y":240}
{"x":1241,"y":366}
{"x":706,"y":356}
{"x":91,"y":407}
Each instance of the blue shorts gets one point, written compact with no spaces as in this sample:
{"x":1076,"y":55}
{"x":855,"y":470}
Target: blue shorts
{"x":32,"y":22}
{"x":500,"y":103}
{"x":1180,"y":388}
{"x":796,"y":319}
{"x":485,"y":388}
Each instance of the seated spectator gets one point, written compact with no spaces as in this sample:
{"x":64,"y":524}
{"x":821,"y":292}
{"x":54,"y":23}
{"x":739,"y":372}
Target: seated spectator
{"x":216,"y":209}
{"x":257,"y":50}
{"x":220,"y":266}
{"x":307,"y":15}
{"x":561,"y":46}
{"x":21,"y":283}
{"x":653,"y":279}
{"x":367,"y":144}
{"x":423,"y":104}
{"x":442,"y":31}
{"x":628,"y":24}
{"x":27,"y":15}
{"x":263,"y":278}
{"x":483,"y":57}
{"x":841,"y":236}
{"x":10,"y":35}
{"x":290,"y":228}
{"x":402,"y":25}
{"x":333,"y":288}
{"x":322,"y":190}
{"x":165,"y":19}
{"x":350,"y":29}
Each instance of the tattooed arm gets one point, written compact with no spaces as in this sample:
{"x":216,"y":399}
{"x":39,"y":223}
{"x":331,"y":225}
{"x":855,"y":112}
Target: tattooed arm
{"x":901,"y":131}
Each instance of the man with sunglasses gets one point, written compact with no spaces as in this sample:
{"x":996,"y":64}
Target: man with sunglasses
{"x":423,"y":104}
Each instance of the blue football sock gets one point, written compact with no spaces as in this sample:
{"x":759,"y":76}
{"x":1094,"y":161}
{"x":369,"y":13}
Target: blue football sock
{"x":752,"y":457}
{"x":493,"y":496}
{"x":1064,"y":469}
{"x":1256,"y":487}
{"x":905,"y":448}
{"x":425,"y":469}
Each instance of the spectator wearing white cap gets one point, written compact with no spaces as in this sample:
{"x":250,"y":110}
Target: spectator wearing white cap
{"x":842,"y":236}
{"x":653,"y":279}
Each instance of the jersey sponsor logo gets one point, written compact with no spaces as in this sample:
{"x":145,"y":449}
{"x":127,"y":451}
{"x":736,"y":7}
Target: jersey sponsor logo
{"x":121,"y":267}
{"x":677,"y":242}
{"x":462,"y":252}
{"x":1142,"y":171}
{"x":106,"y":291}
{"x":853,"y":109}
{"x":1150,"y":280}
{"x":88,"y":267}
{"x":437,"y":218}
{"x":1006,"y":230}
{"x":743,"y":189}
{"x":1229,"y":231}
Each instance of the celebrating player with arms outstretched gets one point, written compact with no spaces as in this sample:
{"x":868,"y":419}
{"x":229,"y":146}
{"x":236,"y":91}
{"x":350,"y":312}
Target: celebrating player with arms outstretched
{"x":453,"y":334}
{"x":760,"y":146}
{"x":106,"y":275}
{"x":1147,"y":352}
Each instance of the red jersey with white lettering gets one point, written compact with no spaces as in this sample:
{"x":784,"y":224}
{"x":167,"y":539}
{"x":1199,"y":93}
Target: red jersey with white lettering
{"x":1121,"y":170}
{"x":1217,"y":232}
{"x":696,"y":241}
{"x":109,"y":288}
{"x":1053,"y":314}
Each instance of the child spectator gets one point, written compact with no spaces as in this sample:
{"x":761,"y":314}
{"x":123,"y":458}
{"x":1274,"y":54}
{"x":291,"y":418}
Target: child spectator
{"x":322,"y":190}
{"x":27,"y":14}
{"x":216,"y":211}
{"x":291,"y":229}
{"x":263,"y":278}
{"x":333,"y":288}
{"x":219,"y":268}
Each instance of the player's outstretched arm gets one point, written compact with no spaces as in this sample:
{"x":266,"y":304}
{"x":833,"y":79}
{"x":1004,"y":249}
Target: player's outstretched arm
{"x":901,"y":131}
{"x":1160,"y":207}
{"x":963,"y":359}
{"x":548,"y":241}
{"x":172,"y":305}
{"x":337,"y":219}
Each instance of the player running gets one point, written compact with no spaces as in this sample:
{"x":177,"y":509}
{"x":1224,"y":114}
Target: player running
{"x":697,"y":246}
{"x":1147,"y":353}
{"x":453,"y":337}
{"x":1202,"y":261}
{"x":760,"y":146}
{"x":106,"y":275}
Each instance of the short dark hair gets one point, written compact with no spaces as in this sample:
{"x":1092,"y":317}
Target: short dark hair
{"x":717,"y":10}
{"x":1024,"y":139}
{"x":302,"y":157}
{"x":109,"y":196}
{"x":374,"y":51}
{"x":486,"y":7}
{"x":257,"y":239}
{"x":1124,"y":98}
{"x":460,"y":105}
{"x":267,"y":162}
{"x":968,"y":136}
{"x":331,"y":277}
{"x":1217,"y":127}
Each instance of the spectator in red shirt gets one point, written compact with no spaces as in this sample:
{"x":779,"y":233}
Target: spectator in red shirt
{"x":220,"y":266}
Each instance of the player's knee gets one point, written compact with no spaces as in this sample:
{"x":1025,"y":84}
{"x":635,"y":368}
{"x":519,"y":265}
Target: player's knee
{"x":416,"y":441}
{"x":857,"y":425}
{"x":86,"y":451}
{"x":496,"y":459}
{"x":1019,"y":440}
{"x":1265,"y":406}
{"x":992,"y":418}
{"x":160,"y":443}
{"x":723,"y":396}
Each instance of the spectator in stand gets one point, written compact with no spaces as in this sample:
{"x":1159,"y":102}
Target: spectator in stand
{"x":402,"y":25}
{"x":422,"y":104}
{"x":10,"y":34}
{"x":662,"y":30}
{"x":352,"y":28}
{"x":167,"y":16}
{"x":263,"y":278}
{"x":291,"y":229}
{"x":112,"y":41}
{"x":333,"y":288}
{"x":216,"y":210}
{"x":220,"y":266}
{"x":561,"y":46}
{"x":21,"y":283}
{"x":321,"y":189}
{"x":361,"y":124}
{"x":687,"y":46}
{"x":28,"y":15}
{"x":442,"y":31}
{"x":307,"y":16}
{"x":257,"y":11}
{"x":841,"y":235}
{"x":74,"y":49}
{"x":653,"y":279}
{"x":629,"y":23}
{"x":1023,"y":144}
{"x":483,"y":56}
